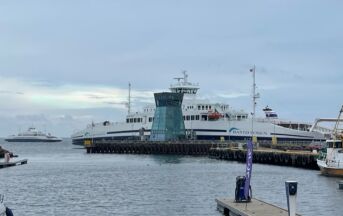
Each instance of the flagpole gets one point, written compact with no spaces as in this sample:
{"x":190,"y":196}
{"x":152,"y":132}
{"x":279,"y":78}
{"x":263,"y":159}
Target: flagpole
{"x":253,"y":103}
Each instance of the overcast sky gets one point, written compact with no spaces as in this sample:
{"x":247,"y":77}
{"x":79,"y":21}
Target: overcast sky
{"x":64,"y":64}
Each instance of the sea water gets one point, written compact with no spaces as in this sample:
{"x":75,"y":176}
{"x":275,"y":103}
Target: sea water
{"x":61,"y":179}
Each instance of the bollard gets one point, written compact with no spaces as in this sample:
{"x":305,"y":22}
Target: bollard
{"x":291,"y":193}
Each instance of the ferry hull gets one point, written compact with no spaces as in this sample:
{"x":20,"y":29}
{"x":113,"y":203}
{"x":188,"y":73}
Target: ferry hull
{"x":31,"y":140}
{"x":203,"y":130}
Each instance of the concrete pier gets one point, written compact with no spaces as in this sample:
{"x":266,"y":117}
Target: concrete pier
{"x":254,"y":208}
{"x":295,"y":158}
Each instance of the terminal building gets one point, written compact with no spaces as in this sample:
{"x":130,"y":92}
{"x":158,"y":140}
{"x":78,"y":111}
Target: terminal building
{"x":168,"y":121}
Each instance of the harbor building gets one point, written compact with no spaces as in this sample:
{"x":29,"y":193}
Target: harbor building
{"x":168,"y":121}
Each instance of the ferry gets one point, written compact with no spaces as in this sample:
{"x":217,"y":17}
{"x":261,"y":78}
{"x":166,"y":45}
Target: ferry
{"x":33,"y":135}
{"x":205,"y":120}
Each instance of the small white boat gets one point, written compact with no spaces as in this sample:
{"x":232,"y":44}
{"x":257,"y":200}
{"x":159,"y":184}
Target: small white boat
{"x":4,"y":211}
{"x":331,"y":162}
{"x":33,"y":135}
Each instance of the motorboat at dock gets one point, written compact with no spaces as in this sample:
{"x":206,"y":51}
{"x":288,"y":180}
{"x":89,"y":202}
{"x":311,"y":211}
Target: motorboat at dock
{"x":330,"y":162}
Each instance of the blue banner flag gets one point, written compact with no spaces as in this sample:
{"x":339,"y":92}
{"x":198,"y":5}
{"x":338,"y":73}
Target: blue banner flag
{"x":248,"y":168}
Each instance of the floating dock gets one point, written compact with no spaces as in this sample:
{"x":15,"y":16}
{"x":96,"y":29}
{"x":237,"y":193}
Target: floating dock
{"x":295,"y":158}
{"x":254,"y":208}
{"x":14,"y":163}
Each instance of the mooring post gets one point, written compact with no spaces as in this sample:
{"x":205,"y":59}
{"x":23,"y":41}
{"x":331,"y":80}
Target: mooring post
{"x":291,"y":193}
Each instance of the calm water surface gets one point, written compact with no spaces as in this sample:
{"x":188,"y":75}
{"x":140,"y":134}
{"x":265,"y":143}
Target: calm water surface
{"x":61,"y":179}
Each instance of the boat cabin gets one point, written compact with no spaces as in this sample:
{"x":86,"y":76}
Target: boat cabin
{"x":334,"y":143}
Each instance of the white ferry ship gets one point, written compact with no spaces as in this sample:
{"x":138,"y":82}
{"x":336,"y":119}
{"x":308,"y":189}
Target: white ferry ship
{"x":204,"y":120}
{"x":33,"y":135}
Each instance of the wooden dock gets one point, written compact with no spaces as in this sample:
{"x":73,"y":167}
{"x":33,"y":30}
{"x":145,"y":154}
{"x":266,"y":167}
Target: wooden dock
{"x":254,"y":208}
{"x":14,"y":163}
{"x":184,"y":147}
{"x":216,"y":149}
{"x":295,"y":158}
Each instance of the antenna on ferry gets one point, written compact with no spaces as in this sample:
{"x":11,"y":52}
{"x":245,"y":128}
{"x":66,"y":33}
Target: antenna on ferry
{"x":185,"y":76}
{"x":129,"y":100}
{"x":254,"y":97}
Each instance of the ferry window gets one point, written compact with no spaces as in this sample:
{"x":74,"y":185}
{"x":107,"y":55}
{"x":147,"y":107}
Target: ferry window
{"x":135,"y":120}
{"x":197,"y":117}
{"x":127,"y":120}
{"x":203,"y":107}
{"x":210,"y":107}
{"x":204,"y":117}
{"x":150,"y":119}
{"x":199,"y":107}
{"x":187,"y":118}
{"x":192,"y":117}
{"x":131,"y":120}
{"x":206,"y":107}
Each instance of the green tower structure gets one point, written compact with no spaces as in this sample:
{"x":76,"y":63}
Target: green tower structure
{"x":168,"y":121}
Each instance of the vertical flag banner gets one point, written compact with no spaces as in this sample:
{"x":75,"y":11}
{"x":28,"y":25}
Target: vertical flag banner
{"x":248,"y":168}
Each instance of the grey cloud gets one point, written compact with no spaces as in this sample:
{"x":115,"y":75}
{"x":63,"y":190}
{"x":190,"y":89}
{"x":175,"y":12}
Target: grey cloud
{"x":94,"y":96}
{"x":11,"y":92}
{"x":33,"y":118}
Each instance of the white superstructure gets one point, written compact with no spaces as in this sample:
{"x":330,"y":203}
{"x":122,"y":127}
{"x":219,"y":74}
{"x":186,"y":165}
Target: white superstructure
{"x":33,"y":135}
{"x":204,"y":120}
